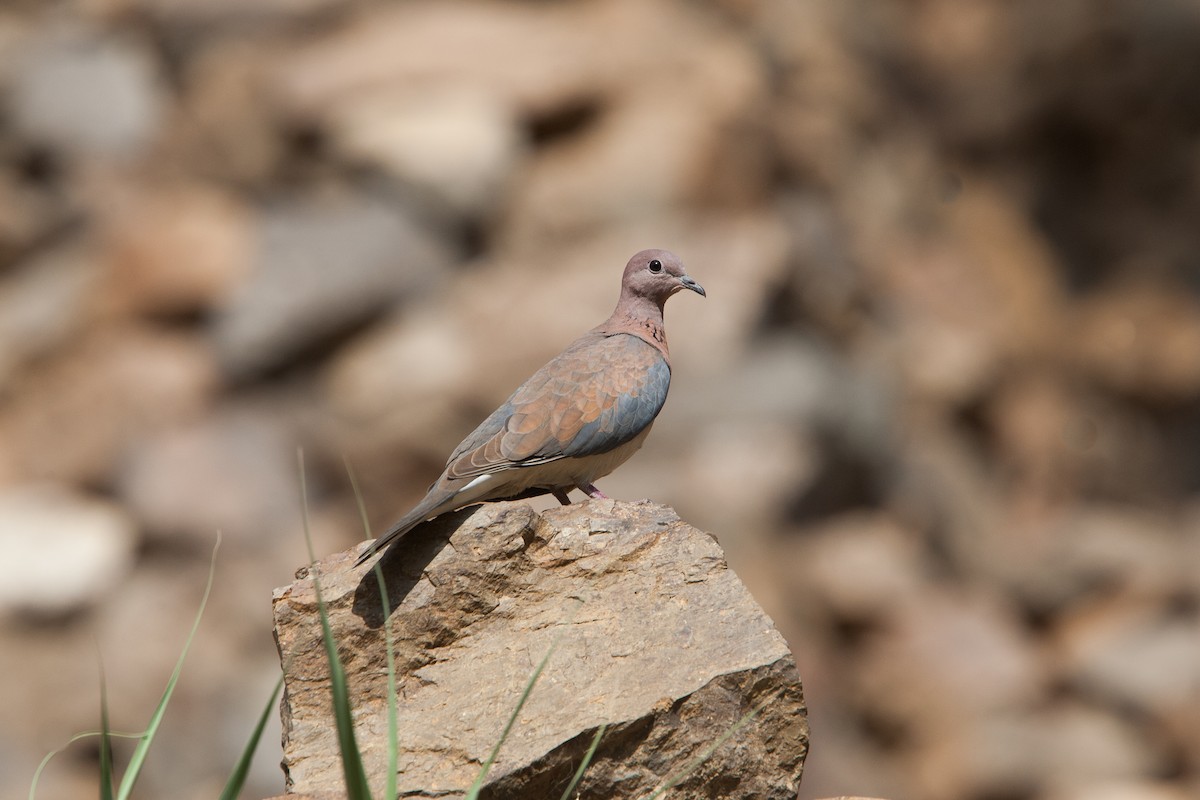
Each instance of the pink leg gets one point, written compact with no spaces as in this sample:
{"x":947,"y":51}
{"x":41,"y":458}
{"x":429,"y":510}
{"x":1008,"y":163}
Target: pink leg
{"x":593,"y":492}
{"x":561,"y":495}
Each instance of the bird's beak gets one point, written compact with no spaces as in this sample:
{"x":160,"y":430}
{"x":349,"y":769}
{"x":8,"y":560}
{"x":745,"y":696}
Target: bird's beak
{"x":689,"y":283}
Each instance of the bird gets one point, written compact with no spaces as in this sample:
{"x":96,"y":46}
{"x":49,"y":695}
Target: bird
{"x":577,"y":418}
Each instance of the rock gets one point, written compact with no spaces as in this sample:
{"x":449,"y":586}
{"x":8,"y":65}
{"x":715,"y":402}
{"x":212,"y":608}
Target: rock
{"x":99,"y":96}
{"x":394,"y":382}
{"x":654,"y":636}
{"x":224,"y":126}
{"x":73,"y":416}
{"x":1014,"y":748}
{"x":172,"y":249}
{"x":1121,"y":790}
{"x":861,"y":568}
{"x":42,"y":304}
{"x":1135,"y":656}
{"x":964,"y":301}
{"x":944,"y":659}
{"x":190,"y":15}
{"x":71,"y":549}
{"x":233,"y":473}
{"x":1140,"y":339}
{"x":1084,"y":554}
{"x":457,"y":147}
{"x":323,"y":267}
{"x":642,"y":94}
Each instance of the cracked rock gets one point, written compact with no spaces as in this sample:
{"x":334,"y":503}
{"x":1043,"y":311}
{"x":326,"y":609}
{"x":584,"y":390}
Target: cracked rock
{"x":652,"y":634}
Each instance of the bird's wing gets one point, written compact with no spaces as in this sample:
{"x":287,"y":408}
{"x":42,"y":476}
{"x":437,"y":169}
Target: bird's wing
{"x":596,"y":395}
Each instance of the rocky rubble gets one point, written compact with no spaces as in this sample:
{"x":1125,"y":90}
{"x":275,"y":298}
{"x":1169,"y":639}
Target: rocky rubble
{"x":941,"y":404}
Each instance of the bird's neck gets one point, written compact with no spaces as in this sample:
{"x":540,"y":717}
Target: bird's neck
{"x":640,"y":317}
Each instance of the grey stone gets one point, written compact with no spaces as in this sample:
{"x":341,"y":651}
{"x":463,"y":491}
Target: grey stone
{"x":87,"y":94}
{"x":42,"y":305}
{"x":322,"y":267}
{"x":233,"y":473}
{"x":653,"y":635}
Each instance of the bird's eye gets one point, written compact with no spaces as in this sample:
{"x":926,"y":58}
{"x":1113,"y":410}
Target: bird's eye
{"x":656,"y":266}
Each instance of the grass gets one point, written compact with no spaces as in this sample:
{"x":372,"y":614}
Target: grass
{"x":146,"y":738}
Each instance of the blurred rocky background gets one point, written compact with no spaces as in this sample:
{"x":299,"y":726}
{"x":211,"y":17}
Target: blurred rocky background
{"x":940,"y":406}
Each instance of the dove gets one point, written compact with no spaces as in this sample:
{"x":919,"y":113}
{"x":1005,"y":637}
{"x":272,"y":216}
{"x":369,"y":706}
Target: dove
{"x":577,"y":418}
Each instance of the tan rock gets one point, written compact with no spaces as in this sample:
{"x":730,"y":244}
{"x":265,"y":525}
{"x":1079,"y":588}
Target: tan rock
{"x":1141,"y":339}
{"x":975,"y":290}
{"x":456,"y":146}
{"x":654,"y":88}
{"x":654,"y":635}
{"x":172,"y":249}
{"x":71,"y":418}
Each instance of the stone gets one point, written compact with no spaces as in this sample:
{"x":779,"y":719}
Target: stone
{"x":457,"y":147}
{"x":100,"y":96}
{"x":190,"y":15}
{"x":393,"y":382}
{"x":1083,"y":554}
{"x":234,"y":472}
{"x":1121,"y":790}
{"x":980,"y":291}
{"x":42,"y":304}
{"x":1139,"y":338}
{"x":73,"y":416}
{"x":1023,"y":747}
{"x":224,"y":126}
{"x":1136,"y":656}
{"x":72,"y":549}
{"x":653,"y":635}
{"x":644,"y":94}
{"x":172,"y":249}
{"x":858,"y":567}
{"x":945,"y":658}
{"x":322,"y":267}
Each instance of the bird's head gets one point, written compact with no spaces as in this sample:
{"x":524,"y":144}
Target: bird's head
{"x":656,"y":275}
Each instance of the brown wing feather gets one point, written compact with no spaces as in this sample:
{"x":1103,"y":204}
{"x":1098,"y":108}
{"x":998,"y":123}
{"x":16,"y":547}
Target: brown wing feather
{"x":568,"y":407}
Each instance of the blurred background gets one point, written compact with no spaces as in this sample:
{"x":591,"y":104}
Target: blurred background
{"x":940,"y":405}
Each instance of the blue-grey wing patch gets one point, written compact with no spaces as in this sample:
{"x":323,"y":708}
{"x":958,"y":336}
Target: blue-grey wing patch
{"x":595,"y":396}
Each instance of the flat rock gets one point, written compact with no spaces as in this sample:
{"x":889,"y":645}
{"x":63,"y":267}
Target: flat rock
{"x":73,"y":549}
{"x":323,"y":266}
{"x":652,"y":633}
{"x":100,"y":96}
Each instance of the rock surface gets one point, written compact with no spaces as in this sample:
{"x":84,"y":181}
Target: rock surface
{"x":652,"y":633}
{"x":72,"y":548}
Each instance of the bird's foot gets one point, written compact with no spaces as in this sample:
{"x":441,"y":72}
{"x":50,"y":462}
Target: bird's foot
{"x":593,"y":492}
{"x":561,"y":496}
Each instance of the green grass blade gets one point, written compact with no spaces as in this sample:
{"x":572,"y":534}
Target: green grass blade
{"x":473,"y":792}
{"x":45,"y":762}
{"x":139,"y":754}
{"x":106,"y":760}
{"x":393,"y":711}
{"x":712,"y":748}
{"x":583,"y":765}
{"x":238,"y":779}
{"x":393,"y":749}
{"x":352,"y":766}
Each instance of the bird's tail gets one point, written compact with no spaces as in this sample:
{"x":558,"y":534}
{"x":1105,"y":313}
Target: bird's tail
{"x":433,"y":504}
